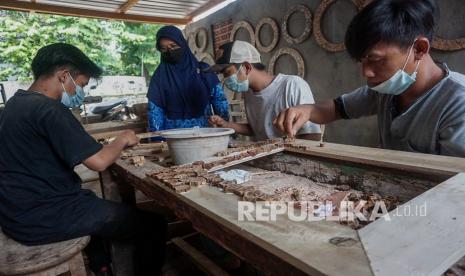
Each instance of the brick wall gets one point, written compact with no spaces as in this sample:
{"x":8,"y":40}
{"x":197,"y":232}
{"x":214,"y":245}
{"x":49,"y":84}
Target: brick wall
{"x":221,"y":32}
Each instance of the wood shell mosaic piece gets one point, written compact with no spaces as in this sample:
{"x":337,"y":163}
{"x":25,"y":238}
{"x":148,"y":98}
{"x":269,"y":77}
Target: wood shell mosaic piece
{"x":317,"y":23}
{"x":182,"y":178}
{"x":275,"y":29}
{"x":191,"y":43}
{"x":204,"y":42}
{"x":294,"y":54}
{"x":206,"y":57}
{"x":308,"y":24}
{"x":246,"y":25}
{"x":448,"y":44}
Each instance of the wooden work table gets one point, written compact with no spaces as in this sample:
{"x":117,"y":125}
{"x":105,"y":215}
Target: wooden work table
{"x":286,"y":247}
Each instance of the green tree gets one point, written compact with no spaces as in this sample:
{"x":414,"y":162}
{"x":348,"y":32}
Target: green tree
{"x":119,"y":48}
{"x":137,"y":48}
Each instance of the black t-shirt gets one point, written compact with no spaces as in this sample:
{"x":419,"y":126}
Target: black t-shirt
{"x":40,"y":144}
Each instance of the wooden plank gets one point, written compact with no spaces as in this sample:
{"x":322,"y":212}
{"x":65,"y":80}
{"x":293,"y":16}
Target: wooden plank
{"x":90,"y":13}
{"x":420,"y":243}
{"x":283,"y":247}
{"x":236,"y":102}
{"x":126,"y":6}
{"x":201,"y":261}
{"x":408,"y":162}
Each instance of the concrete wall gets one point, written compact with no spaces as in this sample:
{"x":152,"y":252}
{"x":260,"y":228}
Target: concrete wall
{"x":330,"y":74}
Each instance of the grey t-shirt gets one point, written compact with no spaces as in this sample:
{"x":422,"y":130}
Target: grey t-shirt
{"x":263,"y":107}
{"x":434,"y":124}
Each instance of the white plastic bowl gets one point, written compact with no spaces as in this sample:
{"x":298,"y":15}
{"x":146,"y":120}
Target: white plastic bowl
{"x":188,"y":145}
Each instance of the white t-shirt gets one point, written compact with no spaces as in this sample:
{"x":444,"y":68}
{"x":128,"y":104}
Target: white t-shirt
{"x":263,"y":107}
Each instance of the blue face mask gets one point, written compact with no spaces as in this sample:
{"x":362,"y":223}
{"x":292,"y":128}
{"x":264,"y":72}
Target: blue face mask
{"x":74,"y":100}
{"x":399,"y":82}
{"x":233,"y":83}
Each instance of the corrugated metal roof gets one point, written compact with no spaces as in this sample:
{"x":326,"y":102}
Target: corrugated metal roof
{"x":151,"y":11}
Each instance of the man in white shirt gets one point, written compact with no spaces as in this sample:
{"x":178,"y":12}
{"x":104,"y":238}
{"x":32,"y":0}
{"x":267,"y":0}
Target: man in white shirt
{"x":265,"y":95}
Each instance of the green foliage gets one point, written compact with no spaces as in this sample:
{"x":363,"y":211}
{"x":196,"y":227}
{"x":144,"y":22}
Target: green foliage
{"x":120,"y":48}
{"x":138,"y":47}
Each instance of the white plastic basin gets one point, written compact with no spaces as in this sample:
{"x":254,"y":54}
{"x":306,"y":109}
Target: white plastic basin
{"x":187,"y":145}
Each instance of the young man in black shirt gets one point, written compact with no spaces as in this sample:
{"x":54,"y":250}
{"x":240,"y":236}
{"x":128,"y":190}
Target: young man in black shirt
{"x":41,"y":200}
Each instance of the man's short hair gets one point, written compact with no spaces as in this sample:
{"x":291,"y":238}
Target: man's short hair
{"x":396,"y":22}
{"x":258,"y":66}
{"x":56,"y":56}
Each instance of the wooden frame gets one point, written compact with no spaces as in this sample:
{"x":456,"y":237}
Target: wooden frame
{"x":290,"y":248}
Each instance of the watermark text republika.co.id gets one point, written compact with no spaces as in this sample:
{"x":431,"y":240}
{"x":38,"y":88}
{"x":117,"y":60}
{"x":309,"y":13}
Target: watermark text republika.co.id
{"x":345,"y":211}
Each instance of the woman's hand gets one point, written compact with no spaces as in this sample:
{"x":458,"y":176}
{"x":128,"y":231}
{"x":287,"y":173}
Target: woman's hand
{"x":217,"y":121}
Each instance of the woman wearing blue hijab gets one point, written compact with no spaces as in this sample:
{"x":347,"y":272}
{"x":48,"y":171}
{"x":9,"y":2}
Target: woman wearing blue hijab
{"x":180,"y":94}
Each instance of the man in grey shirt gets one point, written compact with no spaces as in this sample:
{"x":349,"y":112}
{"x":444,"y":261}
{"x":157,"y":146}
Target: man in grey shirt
{"x":265,"y":95}
{"x":420,"y":103}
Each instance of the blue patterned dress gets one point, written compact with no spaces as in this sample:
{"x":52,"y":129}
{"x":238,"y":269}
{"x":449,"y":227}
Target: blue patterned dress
{"x":159,"y":121}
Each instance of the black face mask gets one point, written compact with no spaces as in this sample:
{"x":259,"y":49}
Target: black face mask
{"x":172,"y":56}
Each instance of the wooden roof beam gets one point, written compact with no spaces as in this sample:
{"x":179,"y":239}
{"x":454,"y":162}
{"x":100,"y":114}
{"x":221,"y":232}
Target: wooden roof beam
{"x":126,"y":6}
{"x":69,"y":11}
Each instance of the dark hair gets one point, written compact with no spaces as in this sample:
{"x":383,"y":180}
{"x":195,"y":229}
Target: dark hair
{"x":53,"y":57}
{"x":258,"y":66}
{"x":396,"y":22}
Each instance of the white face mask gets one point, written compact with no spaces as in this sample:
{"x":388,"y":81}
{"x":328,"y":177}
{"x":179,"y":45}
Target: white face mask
{"x":400,"y":81}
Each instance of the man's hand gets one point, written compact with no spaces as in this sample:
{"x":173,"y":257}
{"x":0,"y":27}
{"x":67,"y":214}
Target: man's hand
{"x":217,"y":121}
{"x":110,"y":153}
{"x":290,"y":120}
{"x":130,"y":138}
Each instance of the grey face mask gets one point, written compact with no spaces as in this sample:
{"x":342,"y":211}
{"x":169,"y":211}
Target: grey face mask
{"x":235,"y":85}
{"x":73,"y":100}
